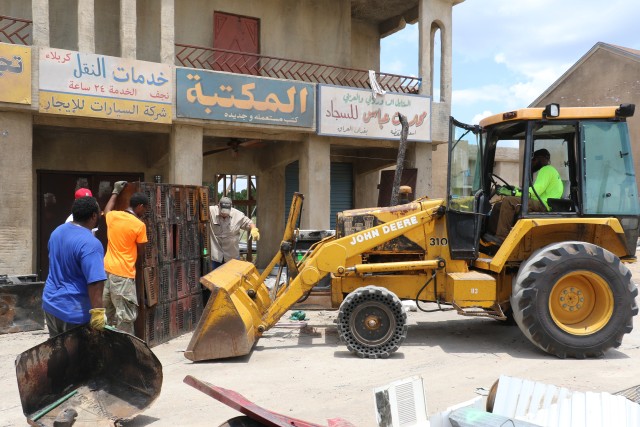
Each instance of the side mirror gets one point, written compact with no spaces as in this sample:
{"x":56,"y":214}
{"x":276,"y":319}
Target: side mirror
{"x":626,"y":110}
{"x":551,"y":110}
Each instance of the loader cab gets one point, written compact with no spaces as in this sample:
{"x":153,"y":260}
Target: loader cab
{"x":589,"y":147}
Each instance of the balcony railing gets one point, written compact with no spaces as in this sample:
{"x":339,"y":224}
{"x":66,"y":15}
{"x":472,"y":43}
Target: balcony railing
{"x":269,"y":66}
{"x":15,"y":30}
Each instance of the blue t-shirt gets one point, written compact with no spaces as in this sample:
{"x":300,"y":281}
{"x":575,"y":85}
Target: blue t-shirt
{"x":75,"y":260}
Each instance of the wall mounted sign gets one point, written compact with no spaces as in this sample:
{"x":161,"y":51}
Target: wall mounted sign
{"x":15,"y":73}
{"x":358,"y":113}
{"x":82,"y":84}
{"x":213,"y":95}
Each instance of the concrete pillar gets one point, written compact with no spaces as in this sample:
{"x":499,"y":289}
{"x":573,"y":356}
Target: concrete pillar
{"x":167,"y":32}
{"x":185,"y":155}
{"x":271,"y":213}
{"x":40,"y":16}
{"x":17,"y":225}
{"x":315,"y":175}
{"x":433,"y":15}
{"x":128,"y":15}
{"x":86,"y":26}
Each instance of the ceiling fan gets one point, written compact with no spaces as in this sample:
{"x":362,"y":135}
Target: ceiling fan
{"x":234,"y":145}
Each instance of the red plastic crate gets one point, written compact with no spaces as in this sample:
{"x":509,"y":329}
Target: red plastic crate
{"x":193,"y":276}
{"x":165,"y":242}
{"x":180,"y":279}
{"x":204,"y":249}
{"x":166,"y":287}
{"x":177,"y":204}
{"x":183,"y":315}
{"x":153,"y":328}
{"x":180,"y":245}
{"x":151,"y":286}
{"x":191,"y":204}
{"x":162,"y":202}
{"x":150,"y":254}
{"x":196,"y":309}
{"x":203,"y":200}
{"x":150,"y":190}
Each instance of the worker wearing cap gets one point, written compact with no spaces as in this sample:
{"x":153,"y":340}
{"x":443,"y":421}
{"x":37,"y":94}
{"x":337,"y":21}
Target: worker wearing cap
{"x":80,"y":192}
{"x":224,"y":231}
{"x":548,"y":184}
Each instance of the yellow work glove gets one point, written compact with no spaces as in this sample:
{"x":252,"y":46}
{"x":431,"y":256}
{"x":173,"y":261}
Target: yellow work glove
{"x":98,"y":318}
{"x":255,"y":234}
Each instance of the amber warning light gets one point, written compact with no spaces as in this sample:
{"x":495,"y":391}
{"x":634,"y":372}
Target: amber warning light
{"x":510,"y":115}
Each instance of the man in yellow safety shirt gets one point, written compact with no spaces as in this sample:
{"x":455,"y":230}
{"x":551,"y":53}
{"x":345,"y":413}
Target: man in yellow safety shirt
{"x":548,"y":184}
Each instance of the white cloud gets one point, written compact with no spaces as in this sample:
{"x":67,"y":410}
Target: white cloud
{"x":478,"y":117}
{"x":396,"y":66}
{"x":506,"y":53}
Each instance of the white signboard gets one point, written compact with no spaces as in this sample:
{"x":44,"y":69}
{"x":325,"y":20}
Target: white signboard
{"x":83,"y":84}
{"x":358,"y":113}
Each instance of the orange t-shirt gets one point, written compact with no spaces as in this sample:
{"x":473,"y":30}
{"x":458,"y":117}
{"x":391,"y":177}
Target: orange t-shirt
{"x":124,"y":232}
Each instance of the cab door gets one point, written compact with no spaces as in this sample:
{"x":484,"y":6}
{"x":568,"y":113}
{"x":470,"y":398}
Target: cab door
{"x":465,"y":197}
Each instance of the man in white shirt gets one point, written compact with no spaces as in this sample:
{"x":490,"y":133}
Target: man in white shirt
{"x":82,"y":192}
{"x":224,"y":231}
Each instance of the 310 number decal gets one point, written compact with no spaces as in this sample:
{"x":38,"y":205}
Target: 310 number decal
{"x":438,"y":241}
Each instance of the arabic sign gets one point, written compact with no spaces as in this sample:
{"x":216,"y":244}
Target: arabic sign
{"x":82,"y":84}
{"x":357,"y":113}
{"x":214,"y":95}
{"x":15,"y":74}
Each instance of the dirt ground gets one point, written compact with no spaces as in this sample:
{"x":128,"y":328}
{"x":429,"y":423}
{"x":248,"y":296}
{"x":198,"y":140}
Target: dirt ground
{"x":310,"y":375}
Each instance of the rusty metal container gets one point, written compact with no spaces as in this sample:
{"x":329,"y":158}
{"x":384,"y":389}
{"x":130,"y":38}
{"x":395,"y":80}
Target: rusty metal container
{"x":20,"y":304}
{"x":106,"y":377}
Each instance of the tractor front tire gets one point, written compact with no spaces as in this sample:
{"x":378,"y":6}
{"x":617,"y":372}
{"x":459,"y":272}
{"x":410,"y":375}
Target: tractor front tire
{"x":372,"y":322}
{"x":574,"y":299}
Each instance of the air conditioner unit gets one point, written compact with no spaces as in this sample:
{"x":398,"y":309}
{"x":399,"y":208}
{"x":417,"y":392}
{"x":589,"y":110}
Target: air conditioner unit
{"x":401,"y":404}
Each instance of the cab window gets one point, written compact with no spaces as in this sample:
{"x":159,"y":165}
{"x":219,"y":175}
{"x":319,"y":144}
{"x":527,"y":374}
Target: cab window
{"x":609,"y":178}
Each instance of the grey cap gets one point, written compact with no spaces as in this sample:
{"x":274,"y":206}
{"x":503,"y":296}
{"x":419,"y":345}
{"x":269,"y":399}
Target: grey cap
{"x":225,"y":205}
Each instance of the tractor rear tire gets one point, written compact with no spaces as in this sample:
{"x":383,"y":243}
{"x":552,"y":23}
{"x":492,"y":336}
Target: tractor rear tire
{"x":372,"y":322}
{"x":574,"y":299}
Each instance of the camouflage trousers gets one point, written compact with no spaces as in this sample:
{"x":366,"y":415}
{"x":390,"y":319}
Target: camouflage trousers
{"x":120,"y":301}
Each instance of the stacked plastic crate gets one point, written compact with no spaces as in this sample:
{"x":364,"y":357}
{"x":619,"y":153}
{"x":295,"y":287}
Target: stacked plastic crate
{"x":169,"y":289}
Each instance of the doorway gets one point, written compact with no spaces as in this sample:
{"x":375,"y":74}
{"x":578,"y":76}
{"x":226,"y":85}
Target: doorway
{"x":55,"y":196}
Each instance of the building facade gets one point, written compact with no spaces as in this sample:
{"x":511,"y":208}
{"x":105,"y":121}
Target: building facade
{"x":605,"y":75}
{"x":94,"y":91}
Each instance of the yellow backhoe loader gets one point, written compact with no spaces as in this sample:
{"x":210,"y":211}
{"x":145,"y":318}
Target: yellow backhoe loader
{"x":560,"y":274}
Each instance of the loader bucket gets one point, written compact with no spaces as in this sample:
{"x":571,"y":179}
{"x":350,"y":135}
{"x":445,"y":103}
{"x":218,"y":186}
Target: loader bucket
{"x":229,"y":323}
{"x":100,"y":378}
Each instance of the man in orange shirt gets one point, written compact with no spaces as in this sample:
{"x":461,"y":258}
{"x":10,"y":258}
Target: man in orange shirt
{"x":126,"y":235}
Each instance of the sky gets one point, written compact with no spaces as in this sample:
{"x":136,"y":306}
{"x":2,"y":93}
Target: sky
{"x":506,"y":53}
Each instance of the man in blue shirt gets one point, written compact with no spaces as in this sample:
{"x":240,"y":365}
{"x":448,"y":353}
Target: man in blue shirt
{"x":72,"y":293}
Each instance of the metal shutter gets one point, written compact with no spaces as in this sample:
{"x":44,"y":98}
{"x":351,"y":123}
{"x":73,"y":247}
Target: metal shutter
{"x":341,"y":190}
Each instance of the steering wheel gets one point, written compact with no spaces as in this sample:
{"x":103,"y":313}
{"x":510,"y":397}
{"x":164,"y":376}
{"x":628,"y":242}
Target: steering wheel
{"x":494,"y":184}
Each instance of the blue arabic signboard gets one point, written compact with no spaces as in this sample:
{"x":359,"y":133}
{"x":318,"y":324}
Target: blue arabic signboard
{"x":212,"y":95}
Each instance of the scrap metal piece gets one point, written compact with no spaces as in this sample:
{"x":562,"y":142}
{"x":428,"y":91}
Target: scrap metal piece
{"x":631,"y":393}
{"x":104,"y":377}
{"x":257,"y":413}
